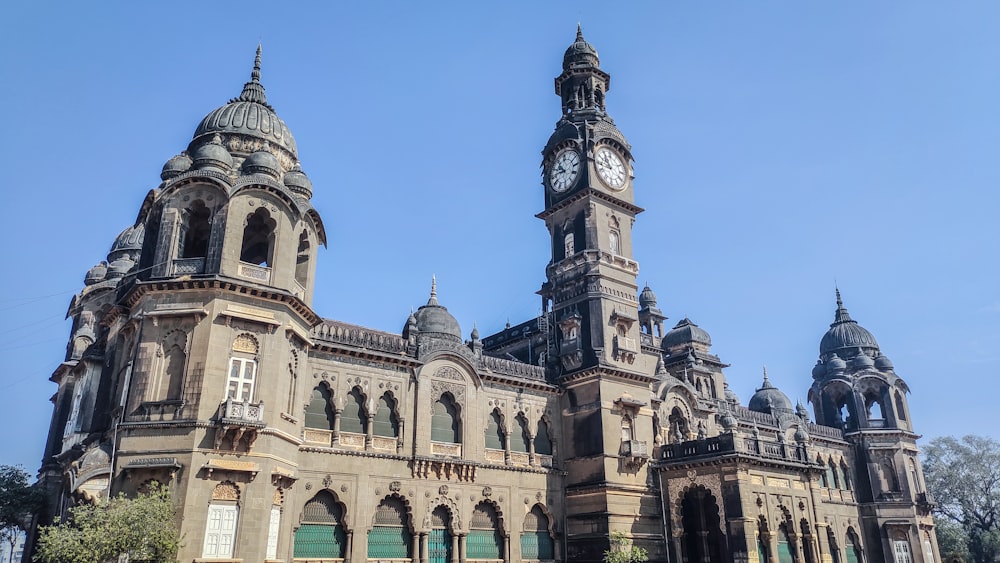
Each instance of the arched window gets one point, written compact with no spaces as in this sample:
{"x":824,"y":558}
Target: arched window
{"x":220,"y":526}
{"x":302,"y":260}
{"x":900,"y":410}
{"x":846,"y":476}
{"x":439,"y":540}
{"x":536,"y":543}
{"x":484,"y":541}
{"x":543,"y":444}
{"x":824,"y":477}
{"x":258,"y":238}
{"x":196,"y":230}
{"x":242,"y":369}
{"x":495,"y":436}
{"x":852,"y":549}
{"x":569,"y":245}
{"x":319,"y":413}
{"x":385,"y":422}
{"x":444,"y":421}
{"x":321,"y":534}
{"x":832,"y":472}
{"x":615,"y":242}
{"x":354,"y":418}
{"x":520,"y":440}
{"x":390,"y":537}
{"x":784,"y":545}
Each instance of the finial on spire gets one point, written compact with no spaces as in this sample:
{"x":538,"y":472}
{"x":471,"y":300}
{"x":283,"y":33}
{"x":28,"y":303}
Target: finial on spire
{"x":434,"y":291}
{"x":253,"y":91}
{"x":579,"y":32}
{"x":255,"y":74}
{"x":765,"y":372}
{"x":840,"y":303}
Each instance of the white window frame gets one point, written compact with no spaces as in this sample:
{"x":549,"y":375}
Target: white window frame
{"x":220,"y":531}
{"x":901,"y":551}
{"x":72,"y":421}
{"x":273,"y":527}
{"x":241,"y":379}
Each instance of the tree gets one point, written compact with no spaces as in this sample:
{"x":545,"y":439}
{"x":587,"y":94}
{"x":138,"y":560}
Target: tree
{"x":138,"y":529}
{"x":622,"y":550}
{"x":963,"y":477}
{"x":18,"y":501}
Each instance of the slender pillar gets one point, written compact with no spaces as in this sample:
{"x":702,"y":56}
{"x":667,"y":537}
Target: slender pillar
{"x":462,"y":546}
{"x":455,"y":552}
{"x":506,"y":549}
{"x":415,"y":548}
{"x":424,"y":548}
{"x":350,"y":550}
{"x":368,"y":432}
{"x":336,"y":425}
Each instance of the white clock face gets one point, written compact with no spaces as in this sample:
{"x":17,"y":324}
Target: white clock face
{"x":564,"y":171}
{"x":611,"y":168}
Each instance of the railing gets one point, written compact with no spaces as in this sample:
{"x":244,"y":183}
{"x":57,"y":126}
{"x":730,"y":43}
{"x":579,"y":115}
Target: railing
{"x":543,"y":460}
{"x":446,"y":449}
{"x":634,"y":448}
{"x":254,"y":272}
{"x":317,"y":436}
{"x":627,"y":344}
{"x":383,"y":443}
{"x":876,"y":423}
{"x":244,"y":411}
{"x":494,"y":456}
{"x":722,"y":443}
{"x":183,"y":266}
{"x":508,"y":367}
{"x":352,"y":335}
{"x":520,"y":458}
{"x":351,"y":440}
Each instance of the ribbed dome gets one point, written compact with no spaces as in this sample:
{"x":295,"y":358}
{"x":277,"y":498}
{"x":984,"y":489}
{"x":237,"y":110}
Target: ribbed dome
{"x":262,"y":162}
{"x":580,"y":53}
{"x":769,"y":399}
{"x":297,"y":181}
{"x":647,"y":298}
{"x":96,"y":273}
{"x":883,"y":363}
{"x":685,"y":332}
{"x":176,"y":165}
{"x":213,"y":155}
{"x":845,"y":332}
{"x":862,"y":360}
{"x":249,"y":114}
{"x":128,"y":243}
{"x":434,"y":319}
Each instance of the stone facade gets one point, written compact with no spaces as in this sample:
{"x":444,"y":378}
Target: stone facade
{"x":196,"y":361}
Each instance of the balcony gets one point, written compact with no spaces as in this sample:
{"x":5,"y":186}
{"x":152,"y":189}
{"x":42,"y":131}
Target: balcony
{"x":187,"y":266}
{"x":625,"y":348}
{"x":633,"y":454}
{"x":254,"y":272}
{"x":238,"y":425}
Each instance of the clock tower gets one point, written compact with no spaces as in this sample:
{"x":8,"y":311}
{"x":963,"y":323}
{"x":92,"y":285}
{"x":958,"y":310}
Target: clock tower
{"x":591,"y":300}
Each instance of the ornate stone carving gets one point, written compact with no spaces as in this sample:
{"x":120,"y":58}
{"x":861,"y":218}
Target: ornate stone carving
{"x":448,"y":372}
{"x":226,"y":490}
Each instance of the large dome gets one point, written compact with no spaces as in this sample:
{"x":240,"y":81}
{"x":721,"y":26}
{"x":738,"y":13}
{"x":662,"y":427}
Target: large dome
{"x":580,"y":53}
{"x":685,"y":332}
{"x":845,"y":332}
{"x":434,"y":319}
{"x":769,"y":399}
{"x":249,"y":114}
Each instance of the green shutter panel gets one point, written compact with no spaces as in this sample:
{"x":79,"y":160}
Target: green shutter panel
{"x":484,"y":544}
{"x":319,"y":541}
{"x":784,"y":552}
{"x":537,"y":545}
{"x":439,"y":546}
{"x":389,"y":542}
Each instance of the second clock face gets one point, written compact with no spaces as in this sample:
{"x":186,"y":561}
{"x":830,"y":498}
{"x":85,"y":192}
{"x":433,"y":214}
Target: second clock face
{"x":610,"y":168}
{"x":564,"y":171}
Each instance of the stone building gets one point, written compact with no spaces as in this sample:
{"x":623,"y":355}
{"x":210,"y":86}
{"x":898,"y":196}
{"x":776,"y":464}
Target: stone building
{"x":197,"y":361}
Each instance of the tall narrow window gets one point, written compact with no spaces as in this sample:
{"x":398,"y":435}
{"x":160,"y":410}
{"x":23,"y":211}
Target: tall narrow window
{"x":258,"y":238}
{"x":302,"y":260}
{"x":569,"y":245}
{"x":852,"y":551}
{"x":197,"y":228}
{"x":834,"y":478}
{"x":220,"y":526}
{"x":385,"y":422}
{"x":484,"y":540}
{"x":72,"y":422}
{"x":520,"y":442}
{"x":543,"y":444}
{"x":274,"y":526}
{"x":494,"y":432}
{"x":615,"y":240}
{"x":845,"y":475}
{"x":390,"y":537}
{"x":321,"y":534}
{"x":784,"y":546}
{"x":536,"y":543}
{"x":242,"y":373}
{"x":900,"y":410}
{"x":444,"y":421}
{"x":319,"y":413}
{"x":354,"y":417}
{"x":439,"y":539}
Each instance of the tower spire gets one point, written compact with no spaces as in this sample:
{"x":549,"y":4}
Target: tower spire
{"x":434,"y":292}
{"x":253,"y":91}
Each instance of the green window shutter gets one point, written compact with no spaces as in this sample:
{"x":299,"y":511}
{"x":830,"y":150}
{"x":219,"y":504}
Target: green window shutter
{"x":353,"y":419}
{"x":494,"y":435}
{"x":761,"y":551}
{"x":385,"y":423}
{"x":319,"y":413}
{"x":784,"y":552}
{"x":520,"y":440}
{"x":444,"y":422}
{"x":537,"y":545}
{"x":543,"y":445}
{"x":851,"y":552}
{"x":319,"y":541}
{"x":439,"y":546}
{"x":389,"y":542}
{"x":483,"y":544}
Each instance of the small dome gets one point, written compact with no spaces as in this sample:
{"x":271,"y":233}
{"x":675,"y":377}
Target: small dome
{"x":730,"y":395}
{"x":769,"y":399}
{"x":647,"y":298}
{"x":685,"y":332}
{"x":175,"y":166}
{"x":845,"y":332}
{"x":129,"y":240}
{"x":883,"y":363}
{"x":297,"y":181}
{"x":250,"y":115}
{"x":835,"y":364}
{"x":819,"y":370}
{"x":801,"y":436}
{"x":213,"y":155}
{"x":96,"y":273}
{"x":435,"y":319}
{"x":580,"y":53}
{"x":120,"y":267}
{"x":728,"y":421}
{"x":862,"y":360}
{"x":262,"y":162}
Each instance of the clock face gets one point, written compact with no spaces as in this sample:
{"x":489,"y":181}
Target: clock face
{"x":610,"y":168}
{"x":564,"y":171}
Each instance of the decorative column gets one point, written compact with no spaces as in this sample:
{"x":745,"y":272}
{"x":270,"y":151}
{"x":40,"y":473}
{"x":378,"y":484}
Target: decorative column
{"x":455,"y":553}
{"x":506,"y":448}
{"x":531,"y":450}
{"x":462,"y":546}
{"x":423,"y":548}
{"x":350,"y":550}
{"x":336,"y":424}
{"x":506,"y":549}
{"x":415,"y":547}
{"x":368,"y":432}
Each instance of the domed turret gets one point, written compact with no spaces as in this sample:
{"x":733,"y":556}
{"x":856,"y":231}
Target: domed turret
{"x":128,"y":243}
{"x":685,"y":332}
{"x":835,"y":364}
{"x":176,"y":166}
{"x":434,"y":319}
{"x":883,"y":363}
{"x":845,"y":333}
{"x":862,"y":360}
{"x":297,"y":181}
{"x":262,"y":162}
{"x":819,"y":370}
{"x":120,"y":267}
{"x":213,"y":155}
{"x":647,"y":298}
{"x":248,"y":115}
{"x":769,"y":399}
{"x":580,"y":53}
{"x":96,"y":273}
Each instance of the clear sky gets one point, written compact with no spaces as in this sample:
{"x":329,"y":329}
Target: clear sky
{"x":781,"y":147}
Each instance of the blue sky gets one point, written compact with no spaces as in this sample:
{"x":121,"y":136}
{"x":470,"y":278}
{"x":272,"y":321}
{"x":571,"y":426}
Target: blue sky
{"x":781,"y":147}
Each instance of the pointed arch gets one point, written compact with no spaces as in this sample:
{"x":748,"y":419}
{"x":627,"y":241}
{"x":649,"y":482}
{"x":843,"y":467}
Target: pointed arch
{"x":445,"y":423}
{"x":319,"y":412}
{"x":196,"y":230}
{"x":385,"y":421}
{"x":391,"y":535}
{"x":701,"y":519}
{"x":520,"y":440}
{"x":485,"y":539}
{"x":496,"y":438}
{"x":543,"y":440}
{"x":321,"y":533}
{"x":537,"y":540}
{"x":354,"y":417}
{"x":258,"y":238}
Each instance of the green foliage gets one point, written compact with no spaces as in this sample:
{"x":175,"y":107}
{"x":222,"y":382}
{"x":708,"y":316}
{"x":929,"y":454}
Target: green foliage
{"x":141,"y":529}
{"x":622,"y":550}
{"x":18,"y":499}
{"x":963,"y":477}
